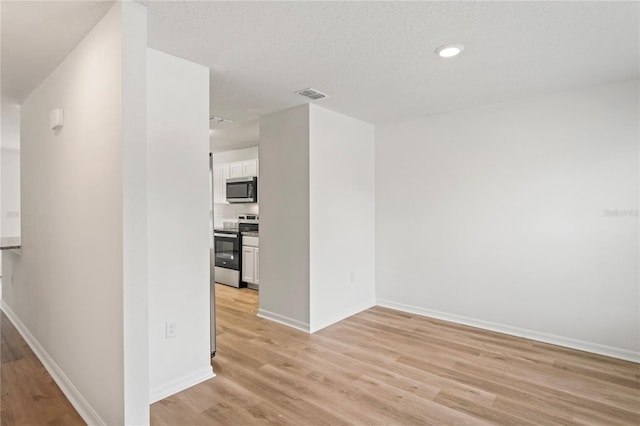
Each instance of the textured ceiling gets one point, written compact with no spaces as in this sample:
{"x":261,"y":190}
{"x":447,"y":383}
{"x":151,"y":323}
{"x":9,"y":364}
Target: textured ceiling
{"x":237,"y":135}
{"x":376,"y":60}
{"x":36,"y":37}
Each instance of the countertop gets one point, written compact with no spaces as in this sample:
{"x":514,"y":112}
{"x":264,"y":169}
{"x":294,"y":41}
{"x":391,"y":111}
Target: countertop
{"x":225,"y":229}
{"x":9,"y":243}
{"x":245,"y":233}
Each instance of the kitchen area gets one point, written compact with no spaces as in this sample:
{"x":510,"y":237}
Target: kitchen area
{"x":235,"y":224}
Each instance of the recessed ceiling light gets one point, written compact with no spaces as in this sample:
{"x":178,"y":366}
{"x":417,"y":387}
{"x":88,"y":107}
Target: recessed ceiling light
{"x":449,"y":50}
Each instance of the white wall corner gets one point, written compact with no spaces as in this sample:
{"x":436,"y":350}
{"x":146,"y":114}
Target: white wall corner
{"x":281,"y":319}
{"x":344,"y":314}
{"x":178,"y":385}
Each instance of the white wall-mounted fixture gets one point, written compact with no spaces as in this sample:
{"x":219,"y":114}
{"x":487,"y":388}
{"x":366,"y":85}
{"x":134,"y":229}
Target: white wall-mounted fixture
{"x":449,"y":50}
{"x":56,"y":119}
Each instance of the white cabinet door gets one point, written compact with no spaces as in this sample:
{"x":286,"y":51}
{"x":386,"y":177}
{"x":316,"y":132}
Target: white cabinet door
{"x":256,"y":265}
{"x":223,"y":183}
{"x":246,"y":168}
{"x":248,"y":265}
{"x":250,"y":168}
{"x":217,"y":178}
{"x":236,"y":170}
{"x":220,"y":176}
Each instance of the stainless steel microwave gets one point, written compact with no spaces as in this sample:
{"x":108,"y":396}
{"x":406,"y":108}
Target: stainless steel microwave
{"x":242,"y":190}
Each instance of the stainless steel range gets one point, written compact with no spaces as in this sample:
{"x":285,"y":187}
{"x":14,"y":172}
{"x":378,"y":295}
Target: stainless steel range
{"x":228,"y":249}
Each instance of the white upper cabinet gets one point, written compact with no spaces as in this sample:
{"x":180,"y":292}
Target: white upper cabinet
{"x":235,"y":170}
{"x":250,"y":168}
{"x":246,"y":168}
{"x":220,"y":176}
{"x":222,"y":172}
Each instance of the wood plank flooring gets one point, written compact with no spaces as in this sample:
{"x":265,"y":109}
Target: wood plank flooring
{"x":380,"y":367}
{"x":384,"y":367}
{"x":29,"y":394}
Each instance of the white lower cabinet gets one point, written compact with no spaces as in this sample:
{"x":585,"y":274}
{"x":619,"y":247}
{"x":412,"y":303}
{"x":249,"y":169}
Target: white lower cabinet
{"x":256,"y":265}
{"x":250,"y":261}
{"x":248,"y":264}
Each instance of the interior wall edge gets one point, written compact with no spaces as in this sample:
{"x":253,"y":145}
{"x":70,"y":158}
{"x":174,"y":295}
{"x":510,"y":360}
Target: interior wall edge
{"x":346,"y":313}
{"x":188,"y":380}
{"x":553,"y":339}
{"x":281,"y":319}
{"x":82,"y":406}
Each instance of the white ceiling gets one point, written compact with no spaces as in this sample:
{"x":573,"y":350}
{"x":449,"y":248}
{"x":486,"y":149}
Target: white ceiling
{"x":36,"y":37}
{"x":376,"y":60}
{"x":227,"y":136}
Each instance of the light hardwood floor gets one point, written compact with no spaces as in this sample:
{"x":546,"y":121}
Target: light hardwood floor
{"x":29,"y":394}
{"x":384,"y":367}
{"x":380,"y":367}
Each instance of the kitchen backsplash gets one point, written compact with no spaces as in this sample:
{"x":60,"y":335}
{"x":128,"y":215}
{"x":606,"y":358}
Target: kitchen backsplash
{"x":229,"y":212}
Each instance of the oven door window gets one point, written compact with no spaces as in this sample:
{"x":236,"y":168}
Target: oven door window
{"x":227,"y":253}
{"x":224,"y":249}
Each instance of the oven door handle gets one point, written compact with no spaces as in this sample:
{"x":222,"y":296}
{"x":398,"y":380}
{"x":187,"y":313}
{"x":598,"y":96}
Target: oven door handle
{"x":225,"y":235}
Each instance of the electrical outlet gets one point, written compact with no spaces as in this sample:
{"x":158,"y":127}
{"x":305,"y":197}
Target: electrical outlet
{"x":352,"y":277}
{"x":170,"y":329}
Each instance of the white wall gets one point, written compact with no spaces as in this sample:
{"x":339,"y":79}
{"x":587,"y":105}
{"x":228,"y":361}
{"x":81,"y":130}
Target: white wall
{"x":178,"y":227}
{"x":496,"y":216}
{"x":235,"y":155}
{"x":284,"y":216}
{"x":134,"y":213}
{"x":342,"y":226}
{"x":10,"y":193}
{"x":69,"y":292}
{"x":10,"y":170}
{"x":229,"y":212}
{"x":316,"y":217}
{"x":10,"y":177}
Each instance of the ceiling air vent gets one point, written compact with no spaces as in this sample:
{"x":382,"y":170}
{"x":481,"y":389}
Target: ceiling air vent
{"x":312,"y":94}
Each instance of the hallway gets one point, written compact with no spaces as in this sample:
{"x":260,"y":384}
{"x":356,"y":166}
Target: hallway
{"x":29,"y":394}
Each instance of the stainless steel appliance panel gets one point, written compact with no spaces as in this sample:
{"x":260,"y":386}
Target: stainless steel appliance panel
{"x":242,"y":190}
{"x":227,"y":250}
{"x":212,"y":272}
{"x":230,"y":277}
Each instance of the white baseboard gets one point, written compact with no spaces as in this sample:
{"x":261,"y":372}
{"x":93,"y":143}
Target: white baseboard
{"x":84,"y":409}
{"x":281,"y":319}
{"x":553,"y":339}
{"x":165,"y":390}
{"x":340,"y":316}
